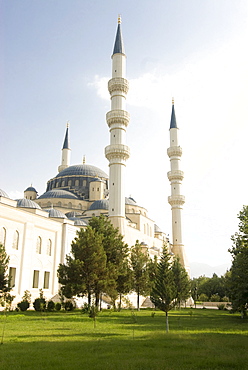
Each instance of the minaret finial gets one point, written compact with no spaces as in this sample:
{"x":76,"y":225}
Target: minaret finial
{"x":119,"y":19}
{"x":172,"y":101}
{"x":68,"y":124}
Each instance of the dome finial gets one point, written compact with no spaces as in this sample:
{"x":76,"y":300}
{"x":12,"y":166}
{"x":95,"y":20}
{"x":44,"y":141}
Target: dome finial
{"x":119,"y":19}
{"x":84,"y":159}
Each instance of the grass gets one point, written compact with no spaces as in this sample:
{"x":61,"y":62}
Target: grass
{"x":198,"y":339}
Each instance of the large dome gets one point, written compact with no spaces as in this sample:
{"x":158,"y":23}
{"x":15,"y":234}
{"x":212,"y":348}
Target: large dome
{"x":27,"y":203}
{"x":83,"y":170}
{"x":57,"y":193}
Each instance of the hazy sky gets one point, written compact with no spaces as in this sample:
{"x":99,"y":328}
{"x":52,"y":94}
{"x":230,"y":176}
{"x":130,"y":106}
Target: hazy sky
{"x":55,"y":61}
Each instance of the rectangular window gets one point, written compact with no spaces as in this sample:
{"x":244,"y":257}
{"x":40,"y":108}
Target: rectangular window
{"x":36,"y":279}
{"x":46,"y":280}
{"x":12,"y":276}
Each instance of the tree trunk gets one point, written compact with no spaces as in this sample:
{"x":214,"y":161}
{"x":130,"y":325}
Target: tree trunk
{"x":138,"y":300}
{"x":89,"y":299}
{"x":120,"y":302}
{"x":167,"y":322}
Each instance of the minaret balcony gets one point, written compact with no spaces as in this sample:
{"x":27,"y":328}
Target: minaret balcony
{"x":175,"y":175}
{"x":174,"y":151}
{"x":118,"y":117}
{"x":176,"y":200}
{"x":115,"y":151}
{"x":118,"y":84}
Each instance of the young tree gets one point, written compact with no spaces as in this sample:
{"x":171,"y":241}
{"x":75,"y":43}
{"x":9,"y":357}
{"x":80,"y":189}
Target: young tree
{"x":4,"y":278}
{"x":237,"y":279}
{"x":85,"y":269}
{"x":116,"y":253}
{"x":163,"y":294}
{"x":140,"y":276}
{"x":182,"y":281}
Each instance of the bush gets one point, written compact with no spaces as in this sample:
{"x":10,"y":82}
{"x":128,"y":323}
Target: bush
{"x":57,"y":306}
{"x":69,"y":306}
{"x":39,"y":304}
{"x":203,"y":297}
{"x":23,"y":305}
{"x":221,"y":306}
{"x":215,"y":298}
{"x":85,"y":308}
{"x":50,"y":306}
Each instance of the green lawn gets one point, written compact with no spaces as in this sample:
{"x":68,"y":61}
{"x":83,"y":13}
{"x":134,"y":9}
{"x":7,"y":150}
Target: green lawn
{"x":198,"y":339}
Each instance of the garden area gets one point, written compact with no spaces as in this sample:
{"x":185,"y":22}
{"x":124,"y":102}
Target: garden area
{"x":198,"y":339}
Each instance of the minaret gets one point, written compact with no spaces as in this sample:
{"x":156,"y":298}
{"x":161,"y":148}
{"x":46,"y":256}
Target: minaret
{"x":176,"y":200}
{"x":117,"y":119}
{"x":66,"y":151}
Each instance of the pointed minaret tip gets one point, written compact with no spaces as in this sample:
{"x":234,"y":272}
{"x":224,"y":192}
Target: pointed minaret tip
{"x":66,"y":144}
{"x":119,"y":46}
{"x":173,"y":122}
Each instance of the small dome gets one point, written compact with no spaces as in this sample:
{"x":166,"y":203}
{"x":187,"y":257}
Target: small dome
{"x":56,"y":193}
{"x":73,"y":214}
{"x":100,"y":204}
{"x":157,"y":229}
{"x":82,"y":170}
{"x":78,"y":221}
{"x":27,"y":203}
{"x":55,"y":213}
{"x":3,"y":194}
{"x":130,"y":201}
{"x":31,"y":188}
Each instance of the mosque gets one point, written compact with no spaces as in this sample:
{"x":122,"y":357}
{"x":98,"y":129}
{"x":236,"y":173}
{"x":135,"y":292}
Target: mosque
{"x":37,"y":231}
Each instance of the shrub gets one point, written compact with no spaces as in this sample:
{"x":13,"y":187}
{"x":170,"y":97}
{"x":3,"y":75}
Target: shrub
{"x":203,"y":297}
{"x":215,"y":298}
{"x":39,"y":304}
{"x":23,"y":305}
{"x":50,"y":306}
{"x":221,"y":306}
{"x":69,"y":306}
{"x":57,"y":306}
{"x":85,"y":308}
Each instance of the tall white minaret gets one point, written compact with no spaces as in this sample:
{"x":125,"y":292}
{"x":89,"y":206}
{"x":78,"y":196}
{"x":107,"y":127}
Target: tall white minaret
{"x":176,"y":200}
{"x":117,"y":119}
{"x":66,"y":151}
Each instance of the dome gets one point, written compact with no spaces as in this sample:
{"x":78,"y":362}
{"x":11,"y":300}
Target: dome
{"x":82,"y":170}
{"x":3,"y":194}
{"x":78,"y":221}
{"x":100,"y":204}
{"x":31,"y":188}
{"x":73,"y":214}
{"x":27,"y":203}
{"x":130,"y":201}
{"x":157,"y":229}
{"x":55,"y":213}
{"x":56,"y":193}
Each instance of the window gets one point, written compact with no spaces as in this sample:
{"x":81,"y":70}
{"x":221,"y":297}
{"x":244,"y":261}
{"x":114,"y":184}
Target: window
{"x":77,"y":183}
{"x":46,"y":280}
{"x":70,"y":205}
{"x":3,"y":236}
{"x":63,"y":183}
{"x":69,"y":183}
{"x":38,"y":245}
{"x":12,"y":276}
{"x":15,"y":240}
{"x":84,"y":182}
{"x":49,"y":247}
{"x":36,"y":279}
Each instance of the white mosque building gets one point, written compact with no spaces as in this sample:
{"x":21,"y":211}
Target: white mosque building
{"x":37,"y":231}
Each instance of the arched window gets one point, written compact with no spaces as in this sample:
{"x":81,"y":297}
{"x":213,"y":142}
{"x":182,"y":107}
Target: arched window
{"x":77,"y":183}
{"x":38,"y":245}
{"x":69,"y":183}
{"x":63,"y":183}
{"x":144,"y":228}
{"x":15,"y":240}
{"x":59,"y":204}
{"x":80,"y":206}
{"x":49,"y":247}
{"x":70,"y":205}
{"x":3,"y":236}
{"x":84,"y":183}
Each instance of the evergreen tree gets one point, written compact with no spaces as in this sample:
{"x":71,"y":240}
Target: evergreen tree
{"x":140,"y":275}
{"x":182,"y":281}
{"x":116,"y":253}
{"x":237,"y":279}
{"x":164,"y":293}
{"x":4,"y":278}
{"x":85,"y":269}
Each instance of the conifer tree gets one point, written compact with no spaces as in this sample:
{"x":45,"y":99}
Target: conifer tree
{"x":4,"y":278}
{"x":182,"y":281}
{"x":164,"y":292}
{"x":237,"y":279}
{"x":140,"y":275}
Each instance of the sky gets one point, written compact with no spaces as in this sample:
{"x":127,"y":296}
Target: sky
{"x":55,"y":61}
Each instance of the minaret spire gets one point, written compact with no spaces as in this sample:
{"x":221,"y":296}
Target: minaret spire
{"x":66,"y":151}
{"x":176,"y":200}
{"x":117,"y":119}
